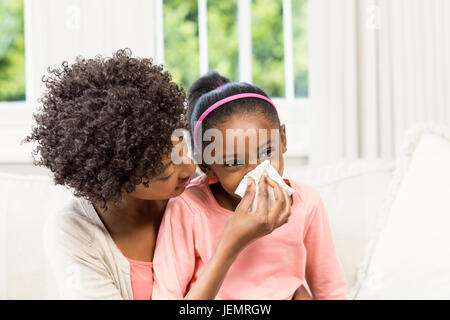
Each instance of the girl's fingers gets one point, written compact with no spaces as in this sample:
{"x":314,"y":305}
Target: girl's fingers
{"x":249,"y":196}
{"x":276,"y":188}
{"x":280,"y":211}
{"x":263,"y":196}
{"x":286,"y":212}
{"x":276,"y":210}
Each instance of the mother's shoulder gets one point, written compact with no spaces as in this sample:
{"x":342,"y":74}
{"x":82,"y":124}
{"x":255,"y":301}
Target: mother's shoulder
{"x":73,"y":222}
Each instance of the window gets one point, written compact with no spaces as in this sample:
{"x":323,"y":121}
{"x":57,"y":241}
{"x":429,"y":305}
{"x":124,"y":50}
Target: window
{"x":15,"y":113}
{"x":272,"y":32}
{"x":12,"y":57}
{"x":259,"y":41}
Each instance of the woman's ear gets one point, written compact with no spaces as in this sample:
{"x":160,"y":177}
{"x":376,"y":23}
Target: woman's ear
{"x":283,"y":138}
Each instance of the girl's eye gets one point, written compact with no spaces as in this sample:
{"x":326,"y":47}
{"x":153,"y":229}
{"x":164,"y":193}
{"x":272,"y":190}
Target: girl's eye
{"x":266,"y":154}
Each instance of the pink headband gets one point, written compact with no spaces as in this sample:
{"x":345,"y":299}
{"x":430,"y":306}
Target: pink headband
{"x":226,"y":100}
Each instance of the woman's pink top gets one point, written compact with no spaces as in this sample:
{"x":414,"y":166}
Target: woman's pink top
{"x":141,"y":275}
{"x":272,"y":267}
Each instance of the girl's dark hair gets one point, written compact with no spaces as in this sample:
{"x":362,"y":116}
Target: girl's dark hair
{"x":105,"y":124}
{"x":203,"y":93}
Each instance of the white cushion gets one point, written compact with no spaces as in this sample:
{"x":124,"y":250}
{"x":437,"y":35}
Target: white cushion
{"x":410,"y":257}
{"x":26,"y":201}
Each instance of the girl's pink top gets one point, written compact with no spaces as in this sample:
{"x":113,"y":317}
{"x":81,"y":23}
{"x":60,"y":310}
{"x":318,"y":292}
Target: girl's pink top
{"x":141,"y":274}
{"x":272,"y":267}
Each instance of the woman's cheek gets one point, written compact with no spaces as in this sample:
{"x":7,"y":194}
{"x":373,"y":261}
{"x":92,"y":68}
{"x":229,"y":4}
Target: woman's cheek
{"x":166,"y":188}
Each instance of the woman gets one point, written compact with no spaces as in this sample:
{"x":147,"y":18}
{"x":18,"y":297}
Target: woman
{"x":104,"y":130}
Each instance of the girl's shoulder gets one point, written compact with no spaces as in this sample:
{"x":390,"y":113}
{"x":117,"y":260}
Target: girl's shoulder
{"x":198,"y":191}
{"x":307,"y":194}
{"x":197,"y":188}
{"x":195,"y":195}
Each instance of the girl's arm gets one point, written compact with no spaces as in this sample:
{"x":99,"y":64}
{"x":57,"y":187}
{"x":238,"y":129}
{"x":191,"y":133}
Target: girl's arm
{"x":174,"y":262}
{"x":324,"y":273}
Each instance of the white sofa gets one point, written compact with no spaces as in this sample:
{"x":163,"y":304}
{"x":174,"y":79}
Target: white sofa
{"x":26,"y":201}
{"x":354,"y":194}
{"x":352,"y":191}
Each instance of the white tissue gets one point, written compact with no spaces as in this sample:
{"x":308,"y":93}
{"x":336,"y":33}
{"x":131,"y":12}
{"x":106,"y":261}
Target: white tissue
{"x":256,"y":173}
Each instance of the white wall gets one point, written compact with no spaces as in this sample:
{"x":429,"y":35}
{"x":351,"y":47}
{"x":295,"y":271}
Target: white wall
{"x":376,"y":68}
{"x":61,"y":30}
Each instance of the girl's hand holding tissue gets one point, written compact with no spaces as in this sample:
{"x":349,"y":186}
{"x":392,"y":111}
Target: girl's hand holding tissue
{"x":264,"y":168}
{"x":246,"y":225}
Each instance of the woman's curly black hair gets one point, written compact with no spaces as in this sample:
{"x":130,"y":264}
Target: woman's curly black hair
{"x":105,"y":124}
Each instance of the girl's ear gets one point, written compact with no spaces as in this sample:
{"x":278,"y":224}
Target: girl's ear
{"x":283,"y":138}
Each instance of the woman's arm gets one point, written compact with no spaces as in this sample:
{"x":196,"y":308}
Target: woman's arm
{"x":78,"y":271}
{"x":174,"y":259}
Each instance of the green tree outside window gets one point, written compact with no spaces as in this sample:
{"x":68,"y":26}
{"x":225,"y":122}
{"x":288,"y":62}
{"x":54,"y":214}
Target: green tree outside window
{"x":12,"y":59}
{"x":181,"y":42}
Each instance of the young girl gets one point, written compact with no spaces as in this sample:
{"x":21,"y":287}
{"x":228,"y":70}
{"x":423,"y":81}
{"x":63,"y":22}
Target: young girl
{"x":272,"y":267}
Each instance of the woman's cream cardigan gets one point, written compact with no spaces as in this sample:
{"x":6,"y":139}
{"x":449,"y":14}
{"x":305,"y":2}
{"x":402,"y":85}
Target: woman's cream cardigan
{"x":86,"y":262}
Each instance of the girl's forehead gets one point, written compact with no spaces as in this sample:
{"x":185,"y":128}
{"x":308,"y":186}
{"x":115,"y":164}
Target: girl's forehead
{"x":247,"y":130}
{"x":249,"y":140}
{"x":247,"y":121}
